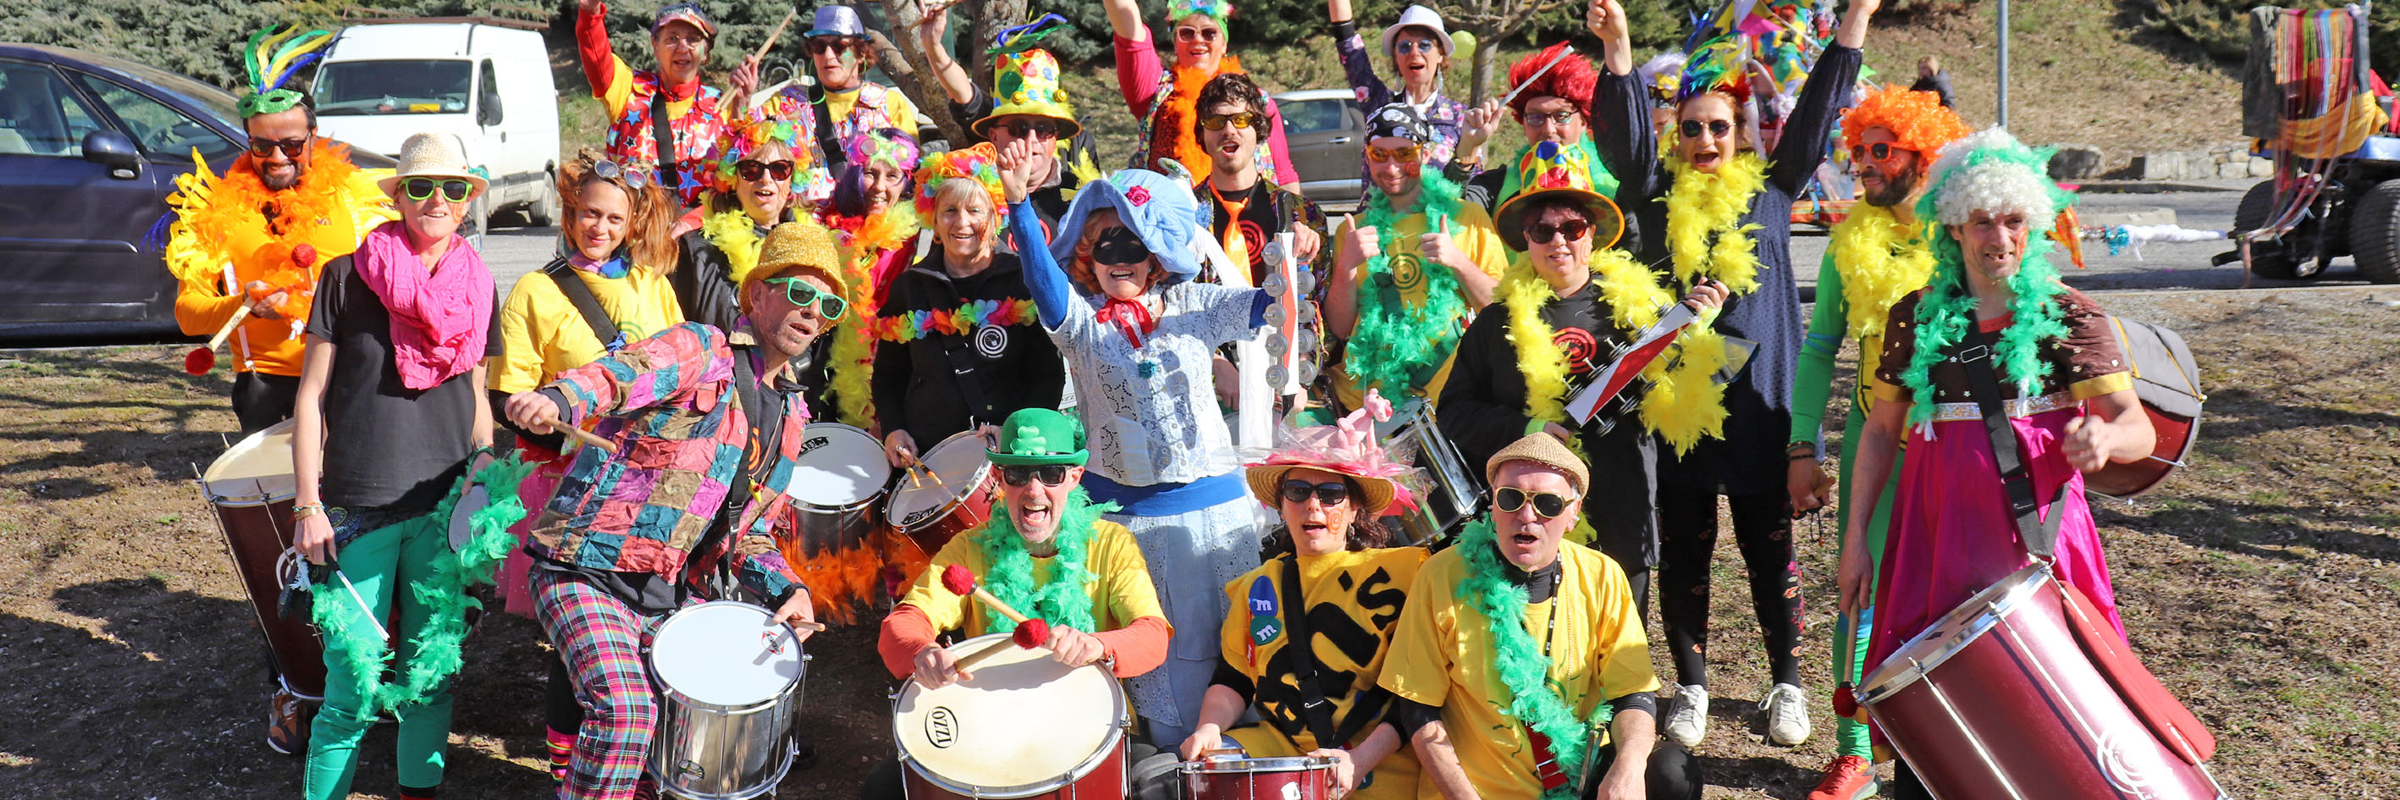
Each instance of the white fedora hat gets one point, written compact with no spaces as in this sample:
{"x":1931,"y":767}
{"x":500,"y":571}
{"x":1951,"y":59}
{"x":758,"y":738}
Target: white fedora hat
{"x":1418,"y":17}
{"x":430,"y":155}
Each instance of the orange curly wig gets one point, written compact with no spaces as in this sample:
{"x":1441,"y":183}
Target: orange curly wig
{"x":1916,"y":118}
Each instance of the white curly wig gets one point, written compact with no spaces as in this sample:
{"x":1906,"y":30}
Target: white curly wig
{"x":1990,"y":171}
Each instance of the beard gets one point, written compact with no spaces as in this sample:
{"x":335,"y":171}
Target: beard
{"x":1897,"y":186}
{"x":279,"y":183}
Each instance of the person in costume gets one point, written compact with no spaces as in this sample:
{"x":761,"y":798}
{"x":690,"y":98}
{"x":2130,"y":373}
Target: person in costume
{"x":1994,"y":302}
{"x":1165,"y":99}
{"x":1420,"y":48}
{"x":956,"y":343}
{"x":615,"y":230}
{"x":875,"y":224}
{"x":751,"y":193}
{"x":1026,"y":102}
{"x":681,"y":35}
{"x":1344,"y":590}
{"x":1877,"y":255}
{"x":841,"y":105}
{"x":1244,"y":212}
{"x":1140,"y":336}
{"x":1408,"y":271}
{"x":623,"y":545}
{"x":1514,"y":651}
{"x":390,"y":414}
{"x":1556,"y":106}
{"x":231,"y":243}
{"x":1565,"y":305}
{"x":1726,"y":216}
{"x":1047,"y":552}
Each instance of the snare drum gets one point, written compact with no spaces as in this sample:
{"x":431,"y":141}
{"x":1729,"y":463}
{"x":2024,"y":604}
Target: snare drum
{"x":1999,"y":699}
{"x":840,"y":473}
{"x":1237,"y":778}
{"x":1456,"y":493}
{"x":251,"y":488}
{"x":729,"y":684}
{"x":1027,"y":726}
{"x":954,"y":498}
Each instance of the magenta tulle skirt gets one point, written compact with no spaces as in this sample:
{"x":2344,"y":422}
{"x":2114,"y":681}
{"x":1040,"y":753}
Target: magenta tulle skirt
{"x":1952,"y":534}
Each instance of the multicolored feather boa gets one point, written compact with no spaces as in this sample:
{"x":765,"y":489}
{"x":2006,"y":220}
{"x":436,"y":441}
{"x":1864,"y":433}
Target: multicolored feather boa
{"x":1064,"y":599}
{"x":1629,"y":290}
{"x":736,"y":236}
{"x":1707,"y":239}
{"x":1523,"y":668}
{"x":1948,"y":308}
{"x":444,"y":592}
{"x":1881,"y":260}
{"x":913,"y":325}
{"x":1394,"y":346}
{"x":853,"y":367}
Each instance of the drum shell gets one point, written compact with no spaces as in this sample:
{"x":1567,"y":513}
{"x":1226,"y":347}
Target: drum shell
{"x":1105,"y":781}
{"x":2173,"y":434}
{"x":817,"y":530}
{"x":1454,"y":492}
{"x":2018,"y":710}
{"x":706,"y":751}
{"x":932,"y":529}
{"x":257,"y":532}
{"x":1312,"y":781}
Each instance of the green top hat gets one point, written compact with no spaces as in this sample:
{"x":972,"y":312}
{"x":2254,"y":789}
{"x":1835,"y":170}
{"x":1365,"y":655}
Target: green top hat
{"x":1038,"y":437}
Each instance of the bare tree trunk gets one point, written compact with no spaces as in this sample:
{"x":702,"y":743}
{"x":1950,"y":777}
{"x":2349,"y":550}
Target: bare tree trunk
{"x":1487,"y":48}
{"x":908,"y":68}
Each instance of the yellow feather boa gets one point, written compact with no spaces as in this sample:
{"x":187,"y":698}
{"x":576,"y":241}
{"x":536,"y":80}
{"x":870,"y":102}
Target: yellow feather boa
{"x":737,"y":237}
{"x":1703,"y":204}
{"x":1629,"y":290}
{"x":853,"y":367}
{"x":1881,"y":260}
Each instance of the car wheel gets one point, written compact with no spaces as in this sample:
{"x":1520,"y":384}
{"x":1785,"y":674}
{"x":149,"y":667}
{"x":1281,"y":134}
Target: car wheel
{"x":2273,"y":258}
{"x":2375,"y":233}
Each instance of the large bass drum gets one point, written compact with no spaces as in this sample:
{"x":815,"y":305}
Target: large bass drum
{"x":251,"y":490}
{"x":1026,"y":726}
{"x":729,"y":684}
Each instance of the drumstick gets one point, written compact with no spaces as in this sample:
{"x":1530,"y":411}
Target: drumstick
{"x":761,"y":55}
{"x":239,"y":314}
{"x":807,"y":625}
{"x":1030,"y":634}
{"x":936,"y":477}
{"x":588,"y":438}
{"x":1537,"y":74}
{"x":961,"y":582}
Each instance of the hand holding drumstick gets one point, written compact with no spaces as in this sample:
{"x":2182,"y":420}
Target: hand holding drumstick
{"x":535,"y":412}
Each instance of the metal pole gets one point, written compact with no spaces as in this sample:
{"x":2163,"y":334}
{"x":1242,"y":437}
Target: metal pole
{"x":2004,"y":63}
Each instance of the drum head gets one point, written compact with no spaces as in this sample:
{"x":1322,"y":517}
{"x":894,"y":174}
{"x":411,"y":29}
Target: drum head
{"x":725,"y":654}
{"x":1952,"y":633}
{"x":840,"y":466}
{"x":960,"y":463}
{"x":462,"y":516}
{"x":256,"y":471}
{"x":1025,"y":725}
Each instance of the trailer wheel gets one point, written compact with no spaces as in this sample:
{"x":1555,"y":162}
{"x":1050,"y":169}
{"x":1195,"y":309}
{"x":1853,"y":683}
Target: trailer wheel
{"x":2375,"y":233}
{"x":2274,"y":259}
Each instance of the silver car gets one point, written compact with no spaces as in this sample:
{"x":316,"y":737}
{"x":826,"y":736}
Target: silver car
{"x":1324,"y":129}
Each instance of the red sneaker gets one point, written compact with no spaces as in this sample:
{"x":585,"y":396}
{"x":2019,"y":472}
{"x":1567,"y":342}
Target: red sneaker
{"x":1847,"y":778}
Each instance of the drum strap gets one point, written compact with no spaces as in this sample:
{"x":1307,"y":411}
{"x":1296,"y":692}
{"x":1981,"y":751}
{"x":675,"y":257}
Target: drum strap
{"x":1315,"y":711}
{"x":662,"y":134}
{"x":759,"y":451}
{"x":1983,"y":382}
{"x":604,"y":329}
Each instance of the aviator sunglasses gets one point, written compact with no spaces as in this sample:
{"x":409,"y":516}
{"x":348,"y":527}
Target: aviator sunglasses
{"x":1545,"y":505}
{"x":612,"y":171}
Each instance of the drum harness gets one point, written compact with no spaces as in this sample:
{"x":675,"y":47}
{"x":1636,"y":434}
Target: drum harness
{"x":1315,"y":711}
{"x":2039,"y":538}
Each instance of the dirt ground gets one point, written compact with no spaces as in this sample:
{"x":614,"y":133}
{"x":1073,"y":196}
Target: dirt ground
{"x":2258,"y":584}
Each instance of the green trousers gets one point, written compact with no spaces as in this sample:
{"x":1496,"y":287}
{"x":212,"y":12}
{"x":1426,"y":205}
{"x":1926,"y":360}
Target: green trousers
{"x":383,"y":564}
{"x":1851,"y":635}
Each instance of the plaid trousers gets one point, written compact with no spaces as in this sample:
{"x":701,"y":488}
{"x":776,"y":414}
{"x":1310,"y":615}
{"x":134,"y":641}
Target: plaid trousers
{"x":601,"y":640}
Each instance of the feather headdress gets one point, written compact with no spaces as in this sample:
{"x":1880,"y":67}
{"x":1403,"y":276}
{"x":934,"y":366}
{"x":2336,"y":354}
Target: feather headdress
{"x":271,"y":57}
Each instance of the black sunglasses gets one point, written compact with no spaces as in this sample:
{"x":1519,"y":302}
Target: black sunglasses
{"x":1545,"y":505}
{"x":1031,"y":128}
{"x":802,"y":293}
{"x":1328,"y":494}
{"x":1543,"y":232}
{"x":830,"y":44}
{"x":1120,"y":246}
{"x":453,"y":189}
{"x":751,"y":169}
{"x":1718,"y":128}
{"x":263,"y":147}
{"x":612,"y":171}
{"x":1019,"y":474}
{"x":1238,"y":119}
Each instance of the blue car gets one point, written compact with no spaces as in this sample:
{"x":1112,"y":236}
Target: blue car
{"x":90,"y":146}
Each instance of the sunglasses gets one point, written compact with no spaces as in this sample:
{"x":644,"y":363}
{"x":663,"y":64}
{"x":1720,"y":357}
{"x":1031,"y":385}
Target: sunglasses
{"x":1403,"y":154}
{"x":612,"y":171}
{"x":265,"y":147}
{"x":802,"y":293}
{"x":1197,"y":34}
{"x":752,"y":169}
{"x":1879,"y":151}
{"x":828,"y":44}
{"x":1120,"y":246}
{"x":453,"y":189}
{"x":1020,"y":474}
{"x":1032,"y":128}
{"x":1545,"y":505}
{"x":1544,"y":233}
{"x":1239,"y":119}
{"x":1717,"y":128}
{"x":1414,"y":46}
{"x":1552,"y":118}
{"x":1328,"y":494}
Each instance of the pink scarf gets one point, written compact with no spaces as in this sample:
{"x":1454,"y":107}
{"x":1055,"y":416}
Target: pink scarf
{"x":439,"y":320}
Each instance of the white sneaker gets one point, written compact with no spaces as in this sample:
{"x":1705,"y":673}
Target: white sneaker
{"x":1687,"y":715}
{"x":1786,"y":708}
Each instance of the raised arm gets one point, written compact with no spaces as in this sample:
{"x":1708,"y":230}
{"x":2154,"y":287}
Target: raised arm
{"x":1357,"y":64}
{"x":1821,"y":100}
{"x":1621,"y":107}
{"x":1137,"y":57}
{"x":1052,"y":293}
{"x":602,"y":69}
{"x":946,"y":70}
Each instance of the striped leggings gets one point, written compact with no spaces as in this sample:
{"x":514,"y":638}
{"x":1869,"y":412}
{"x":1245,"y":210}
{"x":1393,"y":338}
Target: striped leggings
{"x":601,"y":640}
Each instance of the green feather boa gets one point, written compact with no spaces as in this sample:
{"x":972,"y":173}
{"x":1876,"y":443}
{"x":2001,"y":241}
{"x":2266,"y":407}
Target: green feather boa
{"x":1946,"y":312}
{"x":1393,"y":346}
{"x":1522,"y":666}
{"x":1009,"y":571}
{"x":444,"y":593}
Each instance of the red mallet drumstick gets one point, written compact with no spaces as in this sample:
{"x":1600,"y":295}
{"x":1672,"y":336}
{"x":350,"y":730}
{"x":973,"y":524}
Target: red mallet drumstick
{"x":961,"y":582}
{"x":1030,"y":634}
{"x":202,"y":359}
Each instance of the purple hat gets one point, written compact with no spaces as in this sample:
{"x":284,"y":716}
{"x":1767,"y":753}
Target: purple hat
{"x":838,"y":21}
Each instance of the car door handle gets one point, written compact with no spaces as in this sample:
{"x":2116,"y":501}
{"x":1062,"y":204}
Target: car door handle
{"x":1338,"y":140}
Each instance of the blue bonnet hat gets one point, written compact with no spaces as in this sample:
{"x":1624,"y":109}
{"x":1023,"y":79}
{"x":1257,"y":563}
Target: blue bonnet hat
{"x":1159,"y":209}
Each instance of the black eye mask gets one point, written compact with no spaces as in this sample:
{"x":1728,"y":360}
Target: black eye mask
{"x":1120,"y":245}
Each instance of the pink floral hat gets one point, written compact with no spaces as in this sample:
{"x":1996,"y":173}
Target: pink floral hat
{"x":1347,"y":448}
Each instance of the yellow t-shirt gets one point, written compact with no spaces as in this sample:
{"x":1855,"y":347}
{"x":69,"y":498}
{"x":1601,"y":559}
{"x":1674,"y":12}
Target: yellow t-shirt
{"x":542,"y":335}
{"x":1120,"y":590}
{"x":1472,"y":230}
{"x":896,"y":107}
{"x":1354,"y":601}
{"x":1442,"y":657}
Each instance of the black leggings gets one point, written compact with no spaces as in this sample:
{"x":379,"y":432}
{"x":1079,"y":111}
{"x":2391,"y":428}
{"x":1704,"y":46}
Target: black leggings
{"x":262,"y":400}
{"x":562,"y":711}
{"x":1762,"y":528}
{"x":1670,"y":775}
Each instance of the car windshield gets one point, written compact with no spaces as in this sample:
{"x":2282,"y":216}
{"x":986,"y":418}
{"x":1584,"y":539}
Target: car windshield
{"x":217,"y":102}
{"x":392,"y":87}
{"x":1311,"y":116}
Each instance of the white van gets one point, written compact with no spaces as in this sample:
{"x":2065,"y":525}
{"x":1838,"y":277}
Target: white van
{"x":485,"y":81}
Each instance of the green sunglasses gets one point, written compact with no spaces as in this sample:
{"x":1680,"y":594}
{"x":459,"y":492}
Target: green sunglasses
{"x":802,"y":293}
{"x":453,"y":189}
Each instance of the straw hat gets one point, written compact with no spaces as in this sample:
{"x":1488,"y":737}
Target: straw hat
{"x":1346,"y":448}
{"x":430,"y":155}
{"x":1543,"y":449}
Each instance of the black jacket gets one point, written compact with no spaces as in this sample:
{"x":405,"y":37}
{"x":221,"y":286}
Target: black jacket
{"x":935,"y":385}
